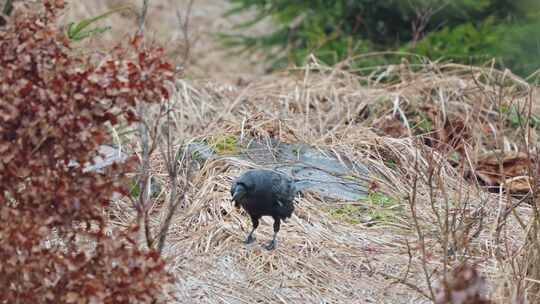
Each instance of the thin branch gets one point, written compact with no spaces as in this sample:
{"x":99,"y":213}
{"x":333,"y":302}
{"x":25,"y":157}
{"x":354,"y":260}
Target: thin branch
{"x":144,"y":178}
{"x":419,"y":232}
{"x":184,"y":26}
{"x":142,"y":17}
{"x":172,"y":165}
{"x":509,"y":209}
{"x":404,"y":282}
{"x":423,"y":17}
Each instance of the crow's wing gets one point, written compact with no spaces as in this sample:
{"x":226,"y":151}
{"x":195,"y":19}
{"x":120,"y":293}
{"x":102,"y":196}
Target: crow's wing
{"x":283,"y":190}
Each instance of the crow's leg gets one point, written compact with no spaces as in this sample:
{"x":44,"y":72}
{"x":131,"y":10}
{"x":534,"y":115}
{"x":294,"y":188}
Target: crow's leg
{"x":255,"y":222}
{"x":273,"y":242}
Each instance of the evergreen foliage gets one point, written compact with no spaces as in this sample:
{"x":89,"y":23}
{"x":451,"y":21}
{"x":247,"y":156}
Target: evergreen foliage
{"x":466,"y":31}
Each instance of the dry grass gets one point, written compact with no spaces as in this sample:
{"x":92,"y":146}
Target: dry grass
{"x":322,"y":258}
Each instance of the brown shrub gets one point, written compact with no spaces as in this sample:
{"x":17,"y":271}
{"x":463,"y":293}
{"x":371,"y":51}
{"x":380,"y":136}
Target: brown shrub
{"x":464,"y":285}
{"x":54,"y":107}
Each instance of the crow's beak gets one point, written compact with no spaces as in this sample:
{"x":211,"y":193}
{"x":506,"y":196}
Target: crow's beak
{"x":239,"y":193}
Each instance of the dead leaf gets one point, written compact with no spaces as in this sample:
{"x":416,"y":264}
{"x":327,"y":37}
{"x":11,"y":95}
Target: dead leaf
{"x":391,"y":126}
{"x":510,"y":171}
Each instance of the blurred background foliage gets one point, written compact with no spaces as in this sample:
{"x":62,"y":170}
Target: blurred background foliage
{"x":376,"y":32}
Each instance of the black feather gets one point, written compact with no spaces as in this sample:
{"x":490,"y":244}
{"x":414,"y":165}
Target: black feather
{"x":264,"y":193}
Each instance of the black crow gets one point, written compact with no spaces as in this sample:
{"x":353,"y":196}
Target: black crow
{"x":264,"y":192}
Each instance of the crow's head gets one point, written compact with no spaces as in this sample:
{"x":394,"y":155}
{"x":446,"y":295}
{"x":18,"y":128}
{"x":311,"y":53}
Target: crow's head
{"x":238,"y":191}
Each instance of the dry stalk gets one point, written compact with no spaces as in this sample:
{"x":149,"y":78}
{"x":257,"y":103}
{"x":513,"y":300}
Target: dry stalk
{"x":142,"y":17}
{"x":184,"y":22}
{"x":532,"y":245}
{"x":419,"y":230}
{"x":173,"y":159}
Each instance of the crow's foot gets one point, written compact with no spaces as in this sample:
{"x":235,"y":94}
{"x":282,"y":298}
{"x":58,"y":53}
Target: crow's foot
{"x":271,"y":245}
{"x":250,"y":239}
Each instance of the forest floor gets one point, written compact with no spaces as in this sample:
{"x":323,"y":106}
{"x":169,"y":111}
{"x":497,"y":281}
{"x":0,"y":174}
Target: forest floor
{"x":432,"y":138}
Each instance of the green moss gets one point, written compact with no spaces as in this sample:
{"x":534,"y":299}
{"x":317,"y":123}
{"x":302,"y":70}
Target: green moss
{"x":379,"y":199}
{"x":392,"y":164}
{"x":383,"y":208}
{"x":225,"y":144}
{"x":378,"y":208}
{"x":350,"y":214}
{"x":516,"y":119}
{"x":424,"y":123}
{"x":379,"y":215}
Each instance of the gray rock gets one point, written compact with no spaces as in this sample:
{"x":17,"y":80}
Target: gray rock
{"x":331,"y":176}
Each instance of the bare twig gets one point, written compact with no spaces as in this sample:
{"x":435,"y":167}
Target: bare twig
{"x":423,"y":16}
{"x":406,"y":283}
{"x":172,"y":163}
{"x":142,"y":16}
{"x":144,"y":177}
{"x":419,"y":232}
{"x":185,"y":29}
{"x":509,"y":209}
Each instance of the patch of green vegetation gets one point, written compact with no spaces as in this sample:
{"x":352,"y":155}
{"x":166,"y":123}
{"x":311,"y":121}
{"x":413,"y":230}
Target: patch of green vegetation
{"x":454,"y":156}
{"x":392,"y":164}
{"x":380,"y":199}
{"x":380,"y":215}
{"x":197,"y":156}
{"x":135,"y":189}
{"x":424,"y":123}
{"x":77,"y":31}
{"x":516,"y":119}
{"x":462,"y":31}
{"x":225,"y":144}
{"x":378,"y":208}
{"x":350,"y":214}
{"x":382,"y":208}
